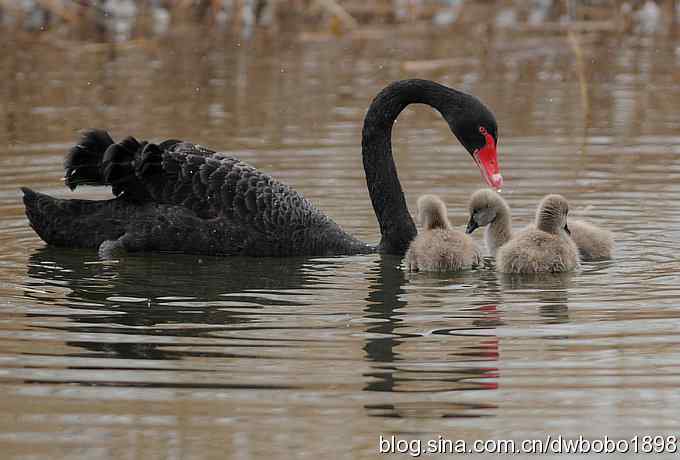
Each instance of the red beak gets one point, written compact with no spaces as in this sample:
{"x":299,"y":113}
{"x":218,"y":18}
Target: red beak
{"x":487,"y":162}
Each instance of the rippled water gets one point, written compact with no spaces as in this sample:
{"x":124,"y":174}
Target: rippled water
{"x":159,"y":356}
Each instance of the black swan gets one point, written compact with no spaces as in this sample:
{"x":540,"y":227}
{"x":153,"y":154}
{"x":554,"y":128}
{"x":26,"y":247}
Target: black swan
{"x":181,"y":197}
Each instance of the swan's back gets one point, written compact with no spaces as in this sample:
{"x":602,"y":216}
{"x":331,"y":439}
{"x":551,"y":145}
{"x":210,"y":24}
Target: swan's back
{"x":439,"y":247}
{"x":543,"y":248}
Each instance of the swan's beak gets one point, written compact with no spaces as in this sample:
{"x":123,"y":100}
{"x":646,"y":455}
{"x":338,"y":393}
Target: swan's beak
{"x":487,"y":162}
{"x":471,"y":226}
{"x":566,"y":229}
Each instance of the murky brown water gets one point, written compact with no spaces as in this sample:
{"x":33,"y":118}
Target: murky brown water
{"x":179,"y":357}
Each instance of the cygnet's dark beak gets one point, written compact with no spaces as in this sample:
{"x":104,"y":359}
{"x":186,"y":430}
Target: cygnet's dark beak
{"x":566,"y":229}
{"x":471,"y":226}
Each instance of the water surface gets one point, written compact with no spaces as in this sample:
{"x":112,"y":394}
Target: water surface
{"x":159,"y":356}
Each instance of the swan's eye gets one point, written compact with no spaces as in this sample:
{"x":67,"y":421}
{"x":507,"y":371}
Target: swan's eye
{"x":482,"y":130}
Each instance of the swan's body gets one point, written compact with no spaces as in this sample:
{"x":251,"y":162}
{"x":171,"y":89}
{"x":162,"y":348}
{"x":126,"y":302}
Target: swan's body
{"x":181,"y":197}
{"x":439,"y":247}
{"x":547,"y":248}
{"x":488,"y":209}
{"x":203,"y":203}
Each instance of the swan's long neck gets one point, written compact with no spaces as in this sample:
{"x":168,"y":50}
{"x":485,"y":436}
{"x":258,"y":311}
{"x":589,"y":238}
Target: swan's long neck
{"x":396,"y":224}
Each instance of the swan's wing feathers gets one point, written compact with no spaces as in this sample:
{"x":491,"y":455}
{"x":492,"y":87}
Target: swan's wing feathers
{"x":187,"y":148}
{"x":151,"y":160}
{"x":169,"y":144}
{"x":213,"y":184}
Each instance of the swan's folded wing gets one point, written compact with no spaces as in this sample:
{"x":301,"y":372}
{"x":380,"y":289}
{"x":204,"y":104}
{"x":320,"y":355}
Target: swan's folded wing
{"x":213,"y":185}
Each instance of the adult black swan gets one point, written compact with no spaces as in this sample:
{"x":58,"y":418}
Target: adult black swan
{"x":181,"y":197}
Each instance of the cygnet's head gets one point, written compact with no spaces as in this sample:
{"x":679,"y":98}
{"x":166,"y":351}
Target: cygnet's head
{"x":485,"y":205}
{"x":432,"y":212}
{"x":551,"y":215}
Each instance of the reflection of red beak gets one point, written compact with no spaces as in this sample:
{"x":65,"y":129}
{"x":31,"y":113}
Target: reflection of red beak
{"x":487,"y":162}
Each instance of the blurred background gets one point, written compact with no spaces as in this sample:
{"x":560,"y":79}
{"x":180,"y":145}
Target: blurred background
{"x":136,"y":19}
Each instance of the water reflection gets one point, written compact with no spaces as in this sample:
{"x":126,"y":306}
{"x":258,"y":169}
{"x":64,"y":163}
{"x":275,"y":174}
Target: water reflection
{"x":172,"y":316}
{"x":175,"y":297}
{"x":164,"y":277}
{"x":546,"y":291}
{"x":454,"y":365}
{"x":383,"y":304}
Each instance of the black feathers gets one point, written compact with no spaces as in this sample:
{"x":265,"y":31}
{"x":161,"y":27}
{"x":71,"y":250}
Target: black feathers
{"x":83,"y":161}
{"x":118,"y":164}
{"x":151,"y":160}
{"x":196,"y":188}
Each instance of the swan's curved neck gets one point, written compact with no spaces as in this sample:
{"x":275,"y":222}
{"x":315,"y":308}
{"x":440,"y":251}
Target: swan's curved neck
{"x":396,"y":224}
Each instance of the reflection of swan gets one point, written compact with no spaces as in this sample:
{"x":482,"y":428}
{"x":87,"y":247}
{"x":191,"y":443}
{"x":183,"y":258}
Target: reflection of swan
{"x":440,"y":247}
{"x":549,"y":292}
{"x":169,"y":284}
{"x":178,"y":196}
{"x":543,"y":248}
{"x":169,"y":304}
{"x":400,"y":366}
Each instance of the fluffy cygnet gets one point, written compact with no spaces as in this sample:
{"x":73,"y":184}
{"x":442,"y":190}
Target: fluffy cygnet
{"x":439,"y":247}
{"x":594,"y":243}
{"x":545,"y":248}
{"x":488,"y":209}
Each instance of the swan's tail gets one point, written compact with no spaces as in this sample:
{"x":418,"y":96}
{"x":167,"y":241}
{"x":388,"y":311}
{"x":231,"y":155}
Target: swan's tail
{"x":127,"y":161}
{"x":98,"y":160}
{"x":83,"y":162}
{"x":72,"y":223}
